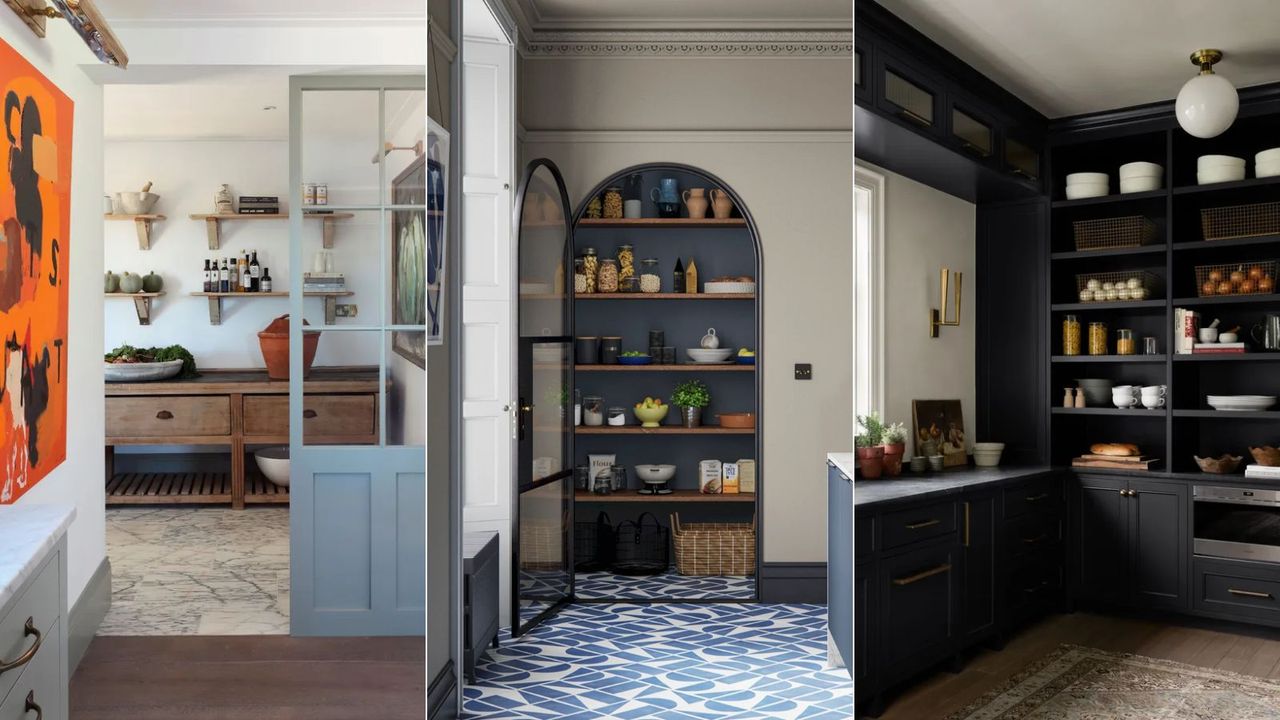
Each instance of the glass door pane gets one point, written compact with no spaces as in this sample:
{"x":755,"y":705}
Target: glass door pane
{"x":914,"y":102}
{"x":973,"y":134}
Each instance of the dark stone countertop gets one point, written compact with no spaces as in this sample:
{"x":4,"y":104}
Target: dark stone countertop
{"x":912,"y":488}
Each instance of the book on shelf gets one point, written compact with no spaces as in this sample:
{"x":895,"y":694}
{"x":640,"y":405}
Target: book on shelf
{"x":1265,"y":472}
{"x":1186,"y":330}
{"x":310,"y":275}
{"x":260,"y":199}
{"x":259,"y":210}
{"x":1237,"y":348}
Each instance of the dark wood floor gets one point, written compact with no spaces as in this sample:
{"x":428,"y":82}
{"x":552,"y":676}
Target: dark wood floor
{"x":251,"y":677}
{"x":942,"y":693}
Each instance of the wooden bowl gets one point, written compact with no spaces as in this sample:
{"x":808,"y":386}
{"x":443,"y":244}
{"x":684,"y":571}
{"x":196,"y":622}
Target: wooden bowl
{"x":737,"y":420}
{"x":1220,"y":465}
{"x":1266,"y":455}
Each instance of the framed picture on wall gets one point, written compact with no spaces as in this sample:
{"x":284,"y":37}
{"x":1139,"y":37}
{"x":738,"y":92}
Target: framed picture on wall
{"x":438,"y":195}
{"x":408,"y":262}
{"x":939,"y":430}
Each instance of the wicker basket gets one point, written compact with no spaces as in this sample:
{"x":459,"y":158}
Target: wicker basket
{"x":1240,"y":221}
{"x":1148,"y":286}
{"x":714,"y":548}
{"x":1109,"y":233}
{"x":593,"y":543}
{"x":1253,"y":278}
{"x":542,"y":546}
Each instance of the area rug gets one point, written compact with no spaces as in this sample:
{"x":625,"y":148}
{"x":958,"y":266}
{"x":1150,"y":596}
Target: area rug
{"x":1078,"y":683}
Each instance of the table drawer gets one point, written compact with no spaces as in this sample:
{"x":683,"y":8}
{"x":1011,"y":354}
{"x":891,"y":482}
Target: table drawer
{"x":168,"y":416}
{"x":40,"y":681}
{"x":1044,"y":494}
{"x":323,"y":415}
{"x":1241,"y":591}
{"x":926,"y":522}
{"x":39,"y":602}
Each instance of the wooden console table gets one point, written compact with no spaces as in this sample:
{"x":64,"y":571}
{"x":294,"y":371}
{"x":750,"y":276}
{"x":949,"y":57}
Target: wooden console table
{"x":234,"y":408}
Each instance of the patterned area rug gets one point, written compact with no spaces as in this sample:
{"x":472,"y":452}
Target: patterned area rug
{"x":675,"y":662}
{"x":1076,"y":683}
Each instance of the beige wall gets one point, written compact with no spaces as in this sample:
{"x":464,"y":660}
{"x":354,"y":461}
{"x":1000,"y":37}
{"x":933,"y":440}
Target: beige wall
{"x":744,"y":120}
{"x":926,"y":229}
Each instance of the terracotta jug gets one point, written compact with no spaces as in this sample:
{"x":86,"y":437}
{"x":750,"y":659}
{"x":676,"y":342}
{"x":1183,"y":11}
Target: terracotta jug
{"x":721,"y":205}
{"x":274,"y":341}
{"x":696,"y":202}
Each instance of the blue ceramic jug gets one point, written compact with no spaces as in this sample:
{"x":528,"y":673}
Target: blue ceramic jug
{"x":666,"y":192}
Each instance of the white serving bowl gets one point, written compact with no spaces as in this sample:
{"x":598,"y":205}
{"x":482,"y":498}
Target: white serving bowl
{"x":1240,"y":402}
{"x":1267,"y":156}
{"x":1207,"y":161}
{"x":1139,"y":184}
{"x":1087,"y":178}
{"x":655,"y":473}
{"x":1086,"y":190}
{"x":987,"y":454}
{"x":708,"y":355}
{"x":1140,"y":169}
{"x":274,"y":463}
{"x":1221,"y":173}
{"x":1270,"y":168}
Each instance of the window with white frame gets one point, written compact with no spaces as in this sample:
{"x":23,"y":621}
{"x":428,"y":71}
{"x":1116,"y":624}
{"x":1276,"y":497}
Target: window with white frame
{"x":868,"y":274}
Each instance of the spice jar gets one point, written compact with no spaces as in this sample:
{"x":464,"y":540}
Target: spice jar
{"x":592,"y":410}
{"x":617,"y":416}
{"x":613,"y":203}
{"x":626,"y":262}
{"x":1125,"y":342}
{"x":590,"y":265}
{"x":607,"y":276}
{"x":1097,"y":338}
{"x":1070,"y":335}
{"x":579,"y":277}
{"x":650,"y":281}
{"x":629,"y":285}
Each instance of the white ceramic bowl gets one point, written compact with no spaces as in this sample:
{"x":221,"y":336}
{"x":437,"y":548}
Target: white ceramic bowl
{"x":987,"y":454}
{"x":1240,"y":402}
{"x":1267,"y":156}
{"x":1228,"y":337}
{"x":141,"y":372}
{"x":655,"y":473}
{"x":1139,"y":184}
{"x":1087,"y":178}
{"x":1086,"y":190}
{"x":1271,"y":168}
{"x":1222,"y":173}
{"x":1140,"y":169}
{"x":1208,"y":335}
{"x":136,"y":203}
{"x":707,"y":355}
{"x":274,"y":463}
{"x":716,"y":288}
{"x":1208,"y":161}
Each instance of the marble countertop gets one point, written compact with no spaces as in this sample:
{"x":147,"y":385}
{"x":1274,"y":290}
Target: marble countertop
{"x":949,"y":482}
{"x":843,"y":462}
{"x":27,"y":532}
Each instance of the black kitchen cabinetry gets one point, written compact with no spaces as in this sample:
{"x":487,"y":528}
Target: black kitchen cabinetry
{"x":978,"y":585}
{"x":1132,"y":541}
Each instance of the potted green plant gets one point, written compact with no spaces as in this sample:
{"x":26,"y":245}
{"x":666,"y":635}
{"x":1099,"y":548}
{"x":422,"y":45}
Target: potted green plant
{"x":691,"y":397}
{"x":895,"y":446}
{"x":868,"y":445}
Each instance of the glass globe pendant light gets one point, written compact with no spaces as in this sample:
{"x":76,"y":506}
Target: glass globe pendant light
{"x":1207,"y":103}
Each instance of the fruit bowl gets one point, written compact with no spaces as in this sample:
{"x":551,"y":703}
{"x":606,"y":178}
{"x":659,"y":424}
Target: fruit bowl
{"x":650,"y":416}
{"x":634,"y":359}
{"x":746,"y":359}
{"x":1221,"y":465}
{"x":655,"y":473}
{"x":1266,"y":455}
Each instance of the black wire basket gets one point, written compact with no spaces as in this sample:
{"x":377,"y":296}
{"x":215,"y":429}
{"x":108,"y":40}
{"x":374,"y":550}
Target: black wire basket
{"x":642,"y":548}
{"x":593,"y":544}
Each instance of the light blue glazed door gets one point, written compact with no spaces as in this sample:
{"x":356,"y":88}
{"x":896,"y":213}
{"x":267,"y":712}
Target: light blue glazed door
{"x":358,"y":273}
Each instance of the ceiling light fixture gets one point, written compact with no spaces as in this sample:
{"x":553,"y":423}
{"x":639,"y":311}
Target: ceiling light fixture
{"x":83,"y":17}
{"x":1207,"y":104}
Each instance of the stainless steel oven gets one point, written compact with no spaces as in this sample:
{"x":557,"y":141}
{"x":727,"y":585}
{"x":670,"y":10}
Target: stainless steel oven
{"x":1236,"y":522}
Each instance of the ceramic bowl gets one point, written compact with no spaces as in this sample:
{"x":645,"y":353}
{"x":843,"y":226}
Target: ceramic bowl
{"x":274,"y":464}
{"x":1208,"y":161}
{"x":1139,"y":184}
{"x":1267,"y":169}
{"x":1228,"y":337}
{"x":1269,"y":155}
{"x":1087,"y":190}
{"x":919,"y":463}
{"x":141,"y":372}
{"x":655,"y":473}
{"x":1140,"y":169}
{"x":987,"y":454}
{"x":1240,"y":402}
{"x":1222,"y":173}
{"x":1220,"y":465}
{"x":652,"y":416}
{"x":709,"y":355}
{"x":135,"y":203}
{"x":1087,"y":178}
{"x":936,"y":462}
{"x":1097,"y":391}
{"x":1266,"y":455}
{"x":737,"y":420}
{"x":1208,"y":335}
{"x":635,"y":359}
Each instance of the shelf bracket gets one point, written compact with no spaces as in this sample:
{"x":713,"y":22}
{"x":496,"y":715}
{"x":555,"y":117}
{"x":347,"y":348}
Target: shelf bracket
{"x":143,"y":226}
{"x":215,"y":310}
{"x":329,"y":230}
{"x":212,"y":229}
{"x":143,"y":306}
{"x":330,"y":308}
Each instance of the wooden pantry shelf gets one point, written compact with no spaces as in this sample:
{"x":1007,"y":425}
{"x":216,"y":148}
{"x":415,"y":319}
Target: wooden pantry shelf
{"x":675,"y":496}
{"x":664,"y":430}
{"x":1108,"y":358}
{"x":143,"y":225}
{"x":168,"y":488}
{"x":662,"y":222}
{"x":1109,"y":252}
{"x":676,"y":367}
{"x":1135,"y":412}
{"x":1113,"y":198}
{"x":330,"y":301}
{"x":213,"y":223}
{"x":141,"y":303}
{"x":665,"y":296}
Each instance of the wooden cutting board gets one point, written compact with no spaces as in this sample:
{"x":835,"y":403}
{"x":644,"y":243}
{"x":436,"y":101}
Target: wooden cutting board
{"x":1114,"y":463}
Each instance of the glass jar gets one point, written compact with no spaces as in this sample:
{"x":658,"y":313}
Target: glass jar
{"x":1097,"y":338}
{"x":1125,"y":342}
{"x":590,"y":266}
{"x":607,"y":276}
{"x":604,"y":481}
{"x":581,"y":476}
{"x":592,"y":410}
{"x":579,"y":276}
{"x":1070,"y":335}
{"x":629,"y":285}
{"x":617,"y":416}
{"x":1150,"y":345}
{"x":577,"y":407}
{"x":626,"y":262}
{"x":612,"y":203}
{"x":619,"y":478}
{"x":650,"y":280}
{"x":634,"y":187}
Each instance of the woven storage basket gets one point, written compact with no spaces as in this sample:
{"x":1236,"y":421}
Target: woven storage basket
{"x":542,"y":546}
{"x":1240,"y":221}
{"x":1111,"y":233}
{"x":714,"y":548}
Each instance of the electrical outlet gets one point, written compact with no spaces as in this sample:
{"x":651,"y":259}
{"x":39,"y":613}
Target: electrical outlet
{"x":804,"y":371}
{"x":347,"y":310}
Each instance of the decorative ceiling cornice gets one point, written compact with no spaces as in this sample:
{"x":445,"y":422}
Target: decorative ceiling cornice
{"x":689,"y":43}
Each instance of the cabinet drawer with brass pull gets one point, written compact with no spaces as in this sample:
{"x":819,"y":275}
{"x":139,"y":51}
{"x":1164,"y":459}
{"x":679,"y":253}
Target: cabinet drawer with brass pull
{"x":922,"y":575}
{"x":25,"y":628}
{"x":167,"y":416}
{"x":1236,"y":589}
{"x":927,"y":522}
{"x":328,"y":416}
{"x":37,"y":693}
{"x":1039,"y":495}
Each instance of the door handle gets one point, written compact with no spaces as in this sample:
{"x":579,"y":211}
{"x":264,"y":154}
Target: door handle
{"x":1249,"y":593}
{"x":923,"y":524}
{"x":164,"y":415}
{"x":966,"y":523}
{"x":309,"y":413}
{"x":974,"y":149}
{"x":25,"y":657}
{"x":945,"y":567}
{"x":31,"y":705}
{"x":522,"y":411}
{"x":915,"y":117}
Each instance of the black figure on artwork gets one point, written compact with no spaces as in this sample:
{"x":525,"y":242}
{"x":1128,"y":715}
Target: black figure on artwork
{"x":22,"y":172}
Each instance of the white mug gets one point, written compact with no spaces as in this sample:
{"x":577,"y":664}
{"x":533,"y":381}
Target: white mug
{"x":1151,"y":403}
{"x":1124,"y":401}
{"x":1154,"y":390}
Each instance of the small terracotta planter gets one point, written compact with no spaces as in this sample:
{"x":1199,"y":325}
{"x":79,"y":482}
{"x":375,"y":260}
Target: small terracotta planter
{"x":274,"y":341}
{"x":893,"y":458}
{"x":871,"y":461}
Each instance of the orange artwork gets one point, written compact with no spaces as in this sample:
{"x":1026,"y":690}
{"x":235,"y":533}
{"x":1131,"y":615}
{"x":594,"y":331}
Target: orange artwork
{"x":35,"y":212}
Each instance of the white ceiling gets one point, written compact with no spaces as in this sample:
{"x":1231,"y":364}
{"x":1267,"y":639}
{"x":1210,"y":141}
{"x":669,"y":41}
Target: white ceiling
{"x":543,"y":15}
{"x":1067,"y":58}
{"x":183,"y":10}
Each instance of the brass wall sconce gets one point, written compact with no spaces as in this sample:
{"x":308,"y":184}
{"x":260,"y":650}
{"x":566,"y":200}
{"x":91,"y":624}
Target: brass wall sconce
{"x":938,"y":318}
{"x":387,"y":149}
{"x":82,"y":16}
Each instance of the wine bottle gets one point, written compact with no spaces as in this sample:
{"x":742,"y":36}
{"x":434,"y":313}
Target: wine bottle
{"x":255,"y":274}
{"x":677,"y":278}
{"x":235,"y":276}
{"x":206,"y":275}
{"x":224,"y":277}
{"x":265,"y":284}
{"x":245,"y":280}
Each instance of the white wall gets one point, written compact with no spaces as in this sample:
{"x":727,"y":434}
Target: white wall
{"x":926,"y":229}
{"x":78,"y":480}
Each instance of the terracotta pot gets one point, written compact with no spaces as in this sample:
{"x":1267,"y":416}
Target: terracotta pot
{"x":274,"y":341}
{"x":871,"y":462}
{"x":893,"y":458}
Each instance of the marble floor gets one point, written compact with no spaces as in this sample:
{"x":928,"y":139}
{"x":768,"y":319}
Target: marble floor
{"x":198,"y":571}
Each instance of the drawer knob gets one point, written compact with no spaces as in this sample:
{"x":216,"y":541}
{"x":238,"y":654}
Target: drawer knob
{"x":33,"y":706}
{"x":27,"y":630}
{"x":923,"y":524}
{"x":1250,"y":593}
{"x":309,"y":413}
{"x":164,"y":415}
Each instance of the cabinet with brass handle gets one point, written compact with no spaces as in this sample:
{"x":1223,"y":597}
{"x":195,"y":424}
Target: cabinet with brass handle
{"x":33,"y":667}
{"x":28,"y":630}
{"x":922,"y":575}
{"x":1250,"y":593}
{"x":923,"y":524}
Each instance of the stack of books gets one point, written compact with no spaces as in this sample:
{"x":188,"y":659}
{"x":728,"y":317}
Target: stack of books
{"x":323,"y":282}
{"x":1262,"y":472}
{"x":1218,"y":348}
{"x":259,"y":204}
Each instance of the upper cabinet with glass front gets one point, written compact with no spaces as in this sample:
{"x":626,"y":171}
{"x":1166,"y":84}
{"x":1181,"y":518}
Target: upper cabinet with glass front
{"x":971,"y":131}
{"x":861,"y":69}
{"x":907,"y":93}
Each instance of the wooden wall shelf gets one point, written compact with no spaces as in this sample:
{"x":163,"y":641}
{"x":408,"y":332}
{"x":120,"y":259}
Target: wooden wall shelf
{"x":330,"y":302}
{"x":213,"y":223}
{"x":675,"y":496}
{"x":664,"y":430}
{"x":142,"y":223}
{"x":141,"y":303}
{"x":679,"y":367}
{"x":666,"y":296}
{"x":663,"y":222}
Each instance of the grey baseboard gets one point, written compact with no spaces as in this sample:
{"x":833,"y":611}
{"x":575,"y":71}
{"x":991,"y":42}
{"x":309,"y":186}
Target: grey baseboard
{"x":442,"y":694}
{"x":86,"y":615}
{"x":793,"y":582}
